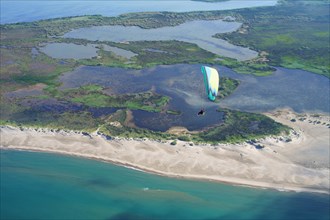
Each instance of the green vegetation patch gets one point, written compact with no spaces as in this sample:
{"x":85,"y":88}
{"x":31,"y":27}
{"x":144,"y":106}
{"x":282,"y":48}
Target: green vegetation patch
{"x":239,"y":126}
{"x":80,"y":120}
{"x":93,"y":96}
{"x":114,"y":126}
{"x":172,"y":52}
{"x":236,"y":127}
{"x":257,"y":67}
{"x":294,"y":34}
{"x":173,"y":112}
{"x":295,"y":29}
{"x":20,"y":68}
{"x":227,"y":86}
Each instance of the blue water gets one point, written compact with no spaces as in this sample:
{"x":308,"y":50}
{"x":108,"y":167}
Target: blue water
{"x":22,"y":11}
{"x":49,"y":186}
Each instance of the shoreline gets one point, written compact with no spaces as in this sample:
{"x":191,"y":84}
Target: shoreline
{"x":300,"y":164}
{"x":239,"y":182}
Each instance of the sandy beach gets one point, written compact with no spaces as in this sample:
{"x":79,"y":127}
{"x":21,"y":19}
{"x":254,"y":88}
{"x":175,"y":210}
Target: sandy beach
{"x":299,"y":161}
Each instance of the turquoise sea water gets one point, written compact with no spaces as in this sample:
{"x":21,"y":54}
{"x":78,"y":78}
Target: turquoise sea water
{"x":49,"y":186}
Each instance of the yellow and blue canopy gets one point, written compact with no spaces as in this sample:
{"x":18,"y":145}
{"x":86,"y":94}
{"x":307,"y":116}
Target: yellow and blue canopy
{"x":211,"y":81}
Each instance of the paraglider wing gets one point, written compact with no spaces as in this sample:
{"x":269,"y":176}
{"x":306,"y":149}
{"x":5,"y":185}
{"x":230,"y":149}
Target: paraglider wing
{"x":211,"y":81}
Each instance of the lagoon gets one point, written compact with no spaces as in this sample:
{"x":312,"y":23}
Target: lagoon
{"x":296,"y":89}
{"x":69,"y":51}
{"x":196,"y":32}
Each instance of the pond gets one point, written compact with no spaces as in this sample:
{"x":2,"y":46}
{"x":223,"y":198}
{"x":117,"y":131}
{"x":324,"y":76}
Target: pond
{"x":69,"y":50}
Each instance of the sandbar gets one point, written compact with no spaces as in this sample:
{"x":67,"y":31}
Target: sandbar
{"x":298,"y":161}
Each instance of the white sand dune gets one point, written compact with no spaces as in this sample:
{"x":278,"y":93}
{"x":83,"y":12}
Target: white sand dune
{"x":298,"y":162}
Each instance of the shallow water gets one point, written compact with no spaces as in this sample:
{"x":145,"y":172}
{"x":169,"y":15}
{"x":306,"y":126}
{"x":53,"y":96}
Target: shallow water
{"x":196,"y":32}
{"x":21,"y":93}
{"x":50,"y":186}
{"x":300,"y":90}
{"x":77,"y":51}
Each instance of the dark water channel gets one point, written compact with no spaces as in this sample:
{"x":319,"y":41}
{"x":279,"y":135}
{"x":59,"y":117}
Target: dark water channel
{"x":300,"y":90}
